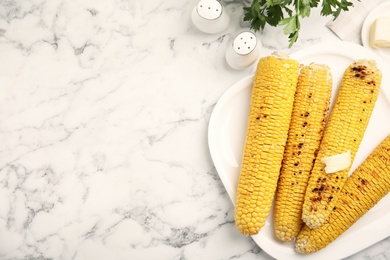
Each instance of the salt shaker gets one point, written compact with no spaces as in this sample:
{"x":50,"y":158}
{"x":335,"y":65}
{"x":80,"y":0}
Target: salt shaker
{"x":209,"y":17}
{"x":243,"y":51}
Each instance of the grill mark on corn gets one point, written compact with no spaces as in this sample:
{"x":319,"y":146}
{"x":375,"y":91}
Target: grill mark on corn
{"x":344,"y":131}
{"x":373,"y":178}
{"x":307,"y":122}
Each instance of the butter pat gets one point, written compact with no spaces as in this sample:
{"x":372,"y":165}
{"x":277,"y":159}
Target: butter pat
{"x":380,"y":33}
{"x":337,"y":162}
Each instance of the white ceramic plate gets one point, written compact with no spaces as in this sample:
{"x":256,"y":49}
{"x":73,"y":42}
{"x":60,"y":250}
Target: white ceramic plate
{"x":226,"y":135}
{"x":381,"y":10}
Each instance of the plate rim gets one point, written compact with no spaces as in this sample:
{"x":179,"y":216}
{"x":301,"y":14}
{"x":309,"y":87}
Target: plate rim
{"x":233,"y":89}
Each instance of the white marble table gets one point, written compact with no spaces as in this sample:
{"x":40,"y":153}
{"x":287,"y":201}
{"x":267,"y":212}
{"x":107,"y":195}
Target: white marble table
{"x":103,"y":131}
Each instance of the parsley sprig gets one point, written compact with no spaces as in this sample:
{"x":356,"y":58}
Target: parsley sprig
{"x":287,"y":13}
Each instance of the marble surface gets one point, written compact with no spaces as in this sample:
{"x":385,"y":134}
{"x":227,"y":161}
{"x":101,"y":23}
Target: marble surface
{"x":104,"y":109}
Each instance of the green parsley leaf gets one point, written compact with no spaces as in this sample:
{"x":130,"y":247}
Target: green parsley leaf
{"x":287,"y":13}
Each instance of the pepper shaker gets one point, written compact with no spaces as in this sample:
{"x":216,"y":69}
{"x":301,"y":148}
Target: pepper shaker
{"x":243,"y":51}
{"x":209,"y":17}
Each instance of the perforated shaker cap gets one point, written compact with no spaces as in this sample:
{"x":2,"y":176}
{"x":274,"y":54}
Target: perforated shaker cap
{"x":244,"y":43}
{"x":209,"y":9}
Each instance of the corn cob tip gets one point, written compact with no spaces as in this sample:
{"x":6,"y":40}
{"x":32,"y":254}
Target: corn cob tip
{"x":364,"y":67}
{"x":314,"y":220}
{"x":302,"y":246}
{"x":280,"y":55}
{"x":321,"y":66}
{"x":365,"y":62}
{"x":285,"y":236}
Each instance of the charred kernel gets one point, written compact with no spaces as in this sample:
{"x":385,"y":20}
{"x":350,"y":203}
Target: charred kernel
{"x":341,"y":126}
{"x":312,"y":98}
{"x":316,"y":199}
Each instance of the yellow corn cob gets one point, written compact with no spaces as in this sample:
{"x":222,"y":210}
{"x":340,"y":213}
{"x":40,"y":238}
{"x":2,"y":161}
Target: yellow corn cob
{"x":364,"y":188}
{"x":268,"y":123}
{"x":311,"y":105}
{"x":347,"y":123}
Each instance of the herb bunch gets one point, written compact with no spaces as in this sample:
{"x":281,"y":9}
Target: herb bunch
{"x":287,"y":13}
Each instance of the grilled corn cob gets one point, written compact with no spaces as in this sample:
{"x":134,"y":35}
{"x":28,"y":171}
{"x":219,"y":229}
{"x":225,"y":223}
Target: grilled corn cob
{"x":311,"y":106}
{"x":364,"y":188}
{"x":268,"y":123}
{"x":347,"y":123}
